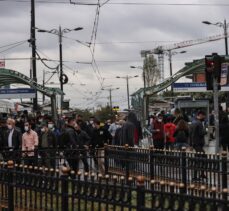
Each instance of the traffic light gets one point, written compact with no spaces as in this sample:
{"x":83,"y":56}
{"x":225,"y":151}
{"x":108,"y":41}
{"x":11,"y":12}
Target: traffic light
{"x":212,"y":70}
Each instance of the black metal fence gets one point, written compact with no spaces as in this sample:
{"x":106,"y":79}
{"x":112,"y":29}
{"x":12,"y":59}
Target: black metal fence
{"x":169,"y":165}
{"x":32,"y":188}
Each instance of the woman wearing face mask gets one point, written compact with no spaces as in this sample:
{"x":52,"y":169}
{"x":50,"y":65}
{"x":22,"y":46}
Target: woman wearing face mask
{"x":47,"y":145}
{"x":29,"y":143}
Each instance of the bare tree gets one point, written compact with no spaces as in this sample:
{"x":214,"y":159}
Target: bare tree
{"x":152,"y":72}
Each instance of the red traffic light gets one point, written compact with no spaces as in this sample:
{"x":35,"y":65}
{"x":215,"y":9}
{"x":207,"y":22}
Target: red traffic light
{"x":210,"y":64}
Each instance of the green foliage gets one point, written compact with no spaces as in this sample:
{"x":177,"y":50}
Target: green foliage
{"x":104,"y":113}
{"x":152,"y":72}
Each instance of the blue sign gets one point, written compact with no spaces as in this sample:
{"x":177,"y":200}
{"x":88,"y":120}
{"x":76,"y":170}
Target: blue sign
{"x":17,"y":93}
{"x":194,"y":87}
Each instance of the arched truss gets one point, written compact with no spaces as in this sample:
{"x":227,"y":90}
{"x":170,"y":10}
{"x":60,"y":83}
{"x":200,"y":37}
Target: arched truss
{"x":8,"y":77}
{"x":189,"y":68}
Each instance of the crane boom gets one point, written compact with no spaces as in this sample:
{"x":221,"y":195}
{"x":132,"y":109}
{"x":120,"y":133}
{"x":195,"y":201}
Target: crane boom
{"x":160,"y":50}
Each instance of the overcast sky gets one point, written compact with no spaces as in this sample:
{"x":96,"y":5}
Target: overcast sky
{"x":123,"y":31}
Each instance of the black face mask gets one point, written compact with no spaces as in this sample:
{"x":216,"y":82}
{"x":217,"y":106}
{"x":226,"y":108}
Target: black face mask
{"x":202,"y":120}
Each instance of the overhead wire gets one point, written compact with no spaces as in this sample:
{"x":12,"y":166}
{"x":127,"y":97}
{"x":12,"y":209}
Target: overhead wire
{"x":14,"y":46}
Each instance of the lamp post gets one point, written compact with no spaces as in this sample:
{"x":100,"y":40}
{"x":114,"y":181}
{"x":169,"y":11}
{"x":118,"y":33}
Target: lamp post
{"x":225,"y":26}
{"x":60,"y":32}
{"x":127,"y":86}
{"x":110,"y":94}
{"x":170,"y":54}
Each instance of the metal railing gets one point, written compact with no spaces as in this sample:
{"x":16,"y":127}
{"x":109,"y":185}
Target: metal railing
{"x":33,"y":188}
{"x":169,"y":165}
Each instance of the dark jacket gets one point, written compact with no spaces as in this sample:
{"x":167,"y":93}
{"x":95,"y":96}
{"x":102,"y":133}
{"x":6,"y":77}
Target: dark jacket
{"x":127,"y":134}
{"x":197,"y":133}
{"x":51,"y":138}
{"x":16,"y":139}
{"x":224,"y":134}
{"x":68,"y":138}
{"x":181,"y":136}
{"x":100,"y":137}
{"x":82,"y":138}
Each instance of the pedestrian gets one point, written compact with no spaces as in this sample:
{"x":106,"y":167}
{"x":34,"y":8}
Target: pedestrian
{"x":47,"y":146}
{"x":84,"y":141}
{"x":224,"y":132}
{"x":112,"y":129}
{"x":131,"y":131}
{"x":158,"y":132}
{"x":169,"y":129}
{"x":12,"y":141}
{"x":100,"y":136}
{"x":181,"y":135}
{"x":29,"y":143}
{"x":117,"y":136}
{"x":212,"y":124}
{"x":68,"y":140}
{"x":197,"y":141}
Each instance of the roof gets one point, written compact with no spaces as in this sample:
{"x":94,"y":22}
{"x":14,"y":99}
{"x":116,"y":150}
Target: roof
{"x":8,"y":77}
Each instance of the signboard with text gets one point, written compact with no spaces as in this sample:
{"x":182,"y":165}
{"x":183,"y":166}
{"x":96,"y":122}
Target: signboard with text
{"x":194,"y":87}
{"x":17,"y":93}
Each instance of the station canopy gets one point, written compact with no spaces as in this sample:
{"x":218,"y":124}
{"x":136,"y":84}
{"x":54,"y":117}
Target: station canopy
{"x":8,"y":77}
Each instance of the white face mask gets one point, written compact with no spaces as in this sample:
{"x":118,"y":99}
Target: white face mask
{"x":50,"y":126}
{"x":159,"y":120}
{"x":42,"y":129}
{"x":26,"y":128}
{"x":10,"y":127}
{"x":91,"y":122}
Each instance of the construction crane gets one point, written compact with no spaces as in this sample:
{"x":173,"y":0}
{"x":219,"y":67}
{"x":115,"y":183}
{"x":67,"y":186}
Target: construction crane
{"x":161,"y":50}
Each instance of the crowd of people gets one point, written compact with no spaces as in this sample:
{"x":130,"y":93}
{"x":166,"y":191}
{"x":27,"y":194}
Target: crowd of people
{"x":25,"y":133}
{"x":170,"y":131}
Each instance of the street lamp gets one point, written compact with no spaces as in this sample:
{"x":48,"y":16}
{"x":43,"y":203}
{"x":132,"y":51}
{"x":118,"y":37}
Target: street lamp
{"x":110,"y":93}
{"x":127,"y":86}
{"x":60,"y":32}
{"x":170,"y":54}
{"x":225,"y":26}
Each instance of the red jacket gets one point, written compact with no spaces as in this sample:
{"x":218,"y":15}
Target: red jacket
{"x":158,"y":135}
{"x":169,"y":129}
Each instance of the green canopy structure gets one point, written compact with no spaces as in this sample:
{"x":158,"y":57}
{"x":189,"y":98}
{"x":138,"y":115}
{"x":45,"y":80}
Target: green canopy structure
{"x":137,"y":98}
{"x":8,"y":77}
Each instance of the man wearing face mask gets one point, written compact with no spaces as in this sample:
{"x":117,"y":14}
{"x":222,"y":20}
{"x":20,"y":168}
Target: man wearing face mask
{"x":158,"y":132}
{"x":29,"y":143}
{"x":12,"y":140}
{"x":47,"y":144}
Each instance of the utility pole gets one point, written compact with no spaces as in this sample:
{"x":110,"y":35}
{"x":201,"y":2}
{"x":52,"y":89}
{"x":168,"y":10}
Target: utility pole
{"x":43,"y":96}
{"x":110,"y":94}
{"x":216,"y":110}
{"x":128,"y":93}
{"x":33,"y":43}
{"x":225,"y":33}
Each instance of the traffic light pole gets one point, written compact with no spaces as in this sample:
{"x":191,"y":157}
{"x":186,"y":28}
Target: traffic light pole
{"x":216,"y":110}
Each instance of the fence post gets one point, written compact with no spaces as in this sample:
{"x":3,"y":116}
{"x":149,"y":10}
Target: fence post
{"x":64,"y":188}
{"x":140,"y":193}
{"x":224,"y":169}
{"x":127,"y":163}
{"x":106,"y":159}
{"x":10,"y":166}
{"x":152,"y":161}
{"x":183,"y":168}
